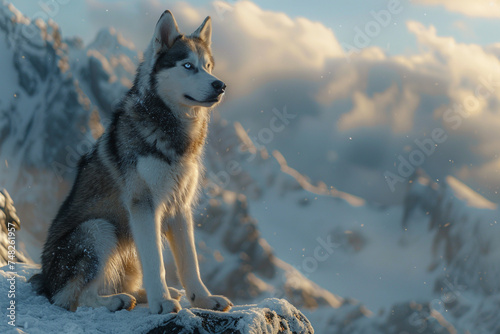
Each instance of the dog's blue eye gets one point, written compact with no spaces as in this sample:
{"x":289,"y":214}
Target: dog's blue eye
{"x":188,"y":66}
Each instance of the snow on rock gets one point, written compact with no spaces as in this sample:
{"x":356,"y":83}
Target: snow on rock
{"x":37,"y":88}
{"x":470,"y":315}
{"x":269,"y":316}
{"x":34,"y":314}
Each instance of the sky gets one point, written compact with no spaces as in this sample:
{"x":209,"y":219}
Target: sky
{"x":374,"y":88}
{"x":85,"y":18}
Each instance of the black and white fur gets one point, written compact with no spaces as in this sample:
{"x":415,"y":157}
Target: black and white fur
{"x":138,"y":185}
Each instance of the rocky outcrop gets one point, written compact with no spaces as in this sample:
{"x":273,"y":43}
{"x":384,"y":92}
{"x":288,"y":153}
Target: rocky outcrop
{"x":268,"y":317}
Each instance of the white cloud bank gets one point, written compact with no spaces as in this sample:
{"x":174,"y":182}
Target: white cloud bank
{"x":365,"y":112}
{"x":477,"y":8}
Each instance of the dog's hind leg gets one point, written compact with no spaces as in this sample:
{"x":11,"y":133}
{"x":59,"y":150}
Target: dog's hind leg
{"x":90,"y":297}
{"x":132,"y":280}
{"x":90,"y":248}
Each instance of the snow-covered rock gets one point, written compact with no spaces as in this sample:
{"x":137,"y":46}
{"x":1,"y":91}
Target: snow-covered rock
{"x":268,"y":317}
{"x":34,"y":314}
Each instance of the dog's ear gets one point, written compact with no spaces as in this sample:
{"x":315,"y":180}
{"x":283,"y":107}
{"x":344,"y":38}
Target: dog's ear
{"x":166,"y":31}
{"x":204,"y":32}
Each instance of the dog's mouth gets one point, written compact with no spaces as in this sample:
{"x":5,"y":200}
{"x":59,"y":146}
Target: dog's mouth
{"x":212,"y":100}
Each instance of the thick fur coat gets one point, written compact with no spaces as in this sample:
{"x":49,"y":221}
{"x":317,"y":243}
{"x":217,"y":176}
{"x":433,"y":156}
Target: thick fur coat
{"x":137,"y":186}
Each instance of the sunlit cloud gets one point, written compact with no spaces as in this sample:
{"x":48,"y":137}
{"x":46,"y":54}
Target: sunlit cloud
{"x":478,"y":8}
{"x":382,"y":102}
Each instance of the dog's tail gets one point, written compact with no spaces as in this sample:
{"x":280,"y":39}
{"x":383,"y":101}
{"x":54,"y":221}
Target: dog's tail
{"x":38,"y":283}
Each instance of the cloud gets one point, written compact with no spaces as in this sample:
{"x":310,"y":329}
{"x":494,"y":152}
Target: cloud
{"x":389,"y":107}
{"x":365,"y":112}
{"x":464,"y":28}
{"x":477,"y":8}
{"x":268,"y":45}
{"x":250,"y":43}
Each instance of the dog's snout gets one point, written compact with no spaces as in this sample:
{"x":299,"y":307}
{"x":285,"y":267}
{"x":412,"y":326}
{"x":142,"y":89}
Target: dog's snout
{"x":219,"y":86}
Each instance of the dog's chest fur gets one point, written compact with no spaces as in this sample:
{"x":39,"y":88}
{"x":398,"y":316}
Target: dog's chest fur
{"x":171,"y":184}
{"x":157,"y":153}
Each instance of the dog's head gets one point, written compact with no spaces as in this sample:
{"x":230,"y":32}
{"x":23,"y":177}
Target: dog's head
{"x":180,"y":67}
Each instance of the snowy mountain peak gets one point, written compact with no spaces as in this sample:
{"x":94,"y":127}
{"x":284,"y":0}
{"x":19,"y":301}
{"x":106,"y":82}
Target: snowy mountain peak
{"x":467,"y":195}
{"x":109,"y":40}
{"x":21,"y":28}
{"x":9,"y":11}
{"x":465,"y":231}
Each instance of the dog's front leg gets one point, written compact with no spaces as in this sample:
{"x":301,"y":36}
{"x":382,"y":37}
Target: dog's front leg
{"x":180,"y":236}
{"x":147,"y":236}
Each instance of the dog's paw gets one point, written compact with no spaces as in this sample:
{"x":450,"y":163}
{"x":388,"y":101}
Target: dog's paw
{"x":142,"y":296}
{"x":121,"y":301}
{"x":174,"y":293}
{"x":164,"y":306}
{"x":216,"y":303}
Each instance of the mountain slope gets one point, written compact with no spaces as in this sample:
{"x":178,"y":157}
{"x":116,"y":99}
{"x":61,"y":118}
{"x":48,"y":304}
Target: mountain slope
{"x":263,"y":230}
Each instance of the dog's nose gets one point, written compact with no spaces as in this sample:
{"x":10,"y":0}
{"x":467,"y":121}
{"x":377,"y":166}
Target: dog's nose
{"x":219,"y":86}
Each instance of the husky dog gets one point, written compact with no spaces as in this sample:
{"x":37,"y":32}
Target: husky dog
{"x":138,"y":185}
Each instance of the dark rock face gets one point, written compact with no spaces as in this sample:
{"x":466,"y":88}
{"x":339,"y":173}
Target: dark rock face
{"x":269,"y":316}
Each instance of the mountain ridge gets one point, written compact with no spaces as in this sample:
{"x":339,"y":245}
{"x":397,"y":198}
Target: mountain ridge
{"x":259,"y":223}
